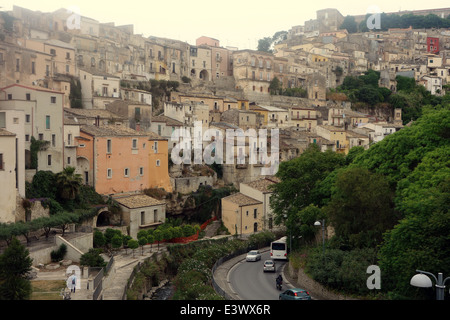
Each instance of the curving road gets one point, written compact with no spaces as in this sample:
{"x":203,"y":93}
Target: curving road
{"x":250,"y":282}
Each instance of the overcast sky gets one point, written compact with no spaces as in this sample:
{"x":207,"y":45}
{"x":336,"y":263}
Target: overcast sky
{"x":238,"y":23}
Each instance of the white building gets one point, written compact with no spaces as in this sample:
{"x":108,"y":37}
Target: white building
{"x":43,"y":112}
{"x":98,"y":89}
{"x":7,"y":176}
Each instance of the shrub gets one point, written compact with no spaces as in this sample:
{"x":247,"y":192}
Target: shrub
{"x":93,"y":259}
{"x":58,"y":255}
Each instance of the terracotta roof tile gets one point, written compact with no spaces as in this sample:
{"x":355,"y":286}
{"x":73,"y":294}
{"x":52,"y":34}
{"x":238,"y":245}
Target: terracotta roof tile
{"x":242,"y":200}
{"x":139,"y":201}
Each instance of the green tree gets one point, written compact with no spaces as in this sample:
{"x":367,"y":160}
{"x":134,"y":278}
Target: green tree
{"x":158,"y":236}
{"x":142,"y":242}
{"x":349,"y":24}
{"x":301,"y":225}
{"x":264,"y":44}
{"x":133,"y":244}
{"x":99,"y":239}
{"x":68,"y":183}
{"x":93,"y":259}
{"x":299,"y":177}
{"x":117,"y":241}
{"x":15,"y":263}
{"x":361,"y":208}
{"x":275,"y":86}
{"x":405,"y":83}
{"x":150,"y":239}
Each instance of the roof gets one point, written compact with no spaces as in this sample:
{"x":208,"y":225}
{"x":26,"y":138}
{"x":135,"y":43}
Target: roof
{"x":332,"y":128}
{"x":114,"y":131}
{"x":242,"y":200}
{"x":168,"y":121}
{"x":139,"y":201}
{"x":93,"y":113}
{"x":99,"y":73}
{"x":261,"y":185}
{"x":36,"y":88}
{"x":273,"y":109}
{"x":5,"y":133}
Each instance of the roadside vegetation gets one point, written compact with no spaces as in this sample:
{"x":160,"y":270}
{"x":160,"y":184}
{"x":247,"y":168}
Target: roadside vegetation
{"x":189,"y":266}
{"x":387,"y":206}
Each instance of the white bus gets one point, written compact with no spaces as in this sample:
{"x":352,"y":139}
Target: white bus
{"x":278,"y":249}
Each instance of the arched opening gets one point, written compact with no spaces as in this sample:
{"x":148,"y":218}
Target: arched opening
{"x":104,"y":219}
{"x":204,"y":75}
{"x":193,"y":73}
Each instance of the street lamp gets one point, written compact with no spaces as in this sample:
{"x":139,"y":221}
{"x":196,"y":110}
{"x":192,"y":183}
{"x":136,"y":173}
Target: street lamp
{"x":422,"y":281}
{"x":318,"y":223}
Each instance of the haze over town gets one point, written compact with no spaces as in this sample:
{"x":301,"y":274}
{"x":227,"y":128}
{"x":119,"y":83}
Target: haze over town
{"x":237,"y":23}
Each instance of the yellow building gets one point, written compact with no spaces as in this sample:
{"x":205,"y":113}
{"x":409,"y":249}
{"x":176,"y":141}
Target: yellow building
{"x":159,"y":162}
{"x":303,"y":117}
{"x":242,"y":214}
{"x":336,"y":135}
{"x":261,"y":111}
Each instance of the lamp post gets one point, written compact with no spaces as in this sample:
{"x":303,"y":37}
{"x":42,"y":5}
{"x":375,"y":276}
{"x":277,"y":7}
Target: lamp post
{"x":422,"y":281}
{"x":318,"y":223}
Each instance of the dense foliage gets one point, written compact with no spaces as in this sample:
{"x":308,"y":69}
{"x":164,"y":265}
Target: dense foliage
{"x":390,"y":201}
{"x":15,"y":264}
{"x":390,"y":21}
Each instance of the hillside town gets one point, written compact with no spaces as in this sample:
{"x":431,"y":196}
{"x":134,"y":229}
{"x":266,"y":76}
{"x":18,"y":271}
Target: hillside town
{"x":84,"y":93}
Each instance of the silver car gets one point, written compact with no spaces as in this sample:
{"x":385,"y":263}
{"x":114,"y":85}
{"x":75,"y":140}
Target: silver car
{"x":253,"y":255}
{"x":269,"y":265}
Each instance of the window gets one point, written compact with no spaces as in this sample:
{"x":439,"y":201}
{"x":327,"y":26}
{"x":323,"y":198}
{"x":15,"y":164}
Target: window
{"x":69,"y":139}
{"x":158,"y":163}
{"x":68,"y":160}
{"x":9,"y":96}
{"x":53,"y":140}
{"x":53,"y":52}
{"x":33,"y":67}
{"x":108,"y":146}
{"x":141,"y":171}
{"x":49,"y":160}
{"x":142,"y":217}
{"x":41,"y":136}
{"x":126,"y":172}
{"x":255,"y":213}
{"x":17,"y":65}
{"x":28,"y":97}
{"x":67,"y":68}
{"x":135,"y":142}
{"x":67,"y":55}
{"x":2,"y":165}
{"x":155,"y":147}
{"x":109,"y":173}
{"x":27,"y":137}
{"x":53,"y":99}
{"x":47,"y":122}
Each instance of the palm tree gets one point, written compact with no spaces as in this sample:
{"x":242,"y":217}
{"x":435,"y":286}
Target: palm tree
{"x":68,"y":183}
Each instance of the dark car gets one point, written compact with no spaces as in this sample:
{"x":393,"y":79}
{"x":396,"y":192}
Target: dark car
{"x":295,"y":294}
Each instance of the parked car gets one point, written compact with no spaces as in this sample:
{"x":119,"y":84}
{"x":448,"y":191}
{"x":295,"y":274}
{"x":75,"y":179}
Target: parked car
{"x":253,"y":255}
{"x":295,"y":294}
{"x":269,"y":265}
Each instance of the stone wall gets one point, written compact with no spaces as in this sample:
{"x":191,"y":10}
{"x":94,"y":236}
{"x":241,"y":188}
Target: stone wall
{"x":187,"y":185}
{"x":36,"y":209}
{"x":316,"y":290}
